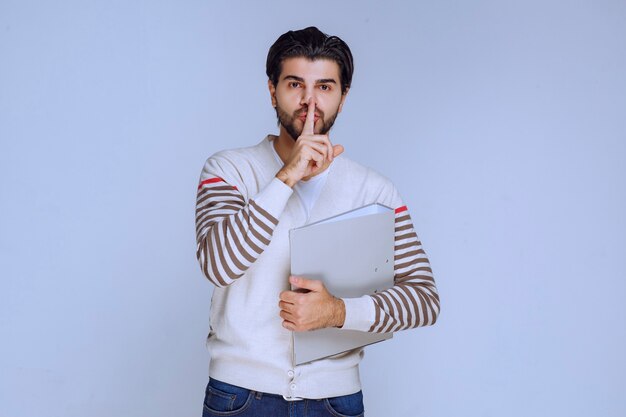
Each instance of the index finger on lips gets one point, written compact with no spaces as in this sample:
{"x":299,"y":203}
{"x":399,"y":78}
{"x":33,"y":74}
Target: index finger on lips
{"x":309,"y":123}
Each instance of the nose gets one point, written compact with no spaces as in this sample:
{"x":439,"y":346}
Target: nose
{"x":307,"y":93}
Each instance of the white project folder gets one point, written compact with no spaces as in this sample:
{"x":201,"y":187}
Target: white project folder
{"x":352,"y":254}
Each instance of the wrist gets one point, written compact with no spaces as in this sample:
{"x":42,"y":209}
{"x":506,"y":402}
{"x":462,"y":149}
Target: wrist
{"x":340,"y":313}
{"x":286,"y":178}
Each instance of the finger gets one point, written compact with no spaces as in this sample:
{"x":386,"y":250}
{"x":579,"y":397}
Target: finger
{"x":320,"y":139}
{"x":323,"y":139}
{"x":309,"y":123}
{"x":329,"y":150}
{"x":287,"y":297}
{"x":285,"y":306}
{"x":319,"y":160}
{"x":317,"y":146}
{"x":337,"y":150}
{"x":310,"y":284}
{"x":315,"y":154}
{"x":287,"y":315}
{"x":289,"y":325}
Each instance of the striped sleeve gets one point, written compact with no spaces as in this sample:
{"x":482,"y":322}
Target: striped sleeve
{"x":231,"y":233}
{"x":413,"y":300}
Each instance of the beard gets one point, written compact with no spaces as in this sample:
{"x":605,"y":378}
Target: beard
{"x":288,"y":121}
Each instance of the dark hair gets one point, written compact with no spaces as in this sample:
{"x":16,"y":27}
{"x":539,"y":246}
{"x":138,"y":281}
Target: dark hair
{"x":313,"y":44}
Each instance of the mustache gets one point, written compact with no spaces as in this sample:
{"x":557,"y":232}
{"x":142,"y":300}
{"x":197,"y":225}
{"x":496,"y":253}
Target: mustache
{"x":303,"y":112}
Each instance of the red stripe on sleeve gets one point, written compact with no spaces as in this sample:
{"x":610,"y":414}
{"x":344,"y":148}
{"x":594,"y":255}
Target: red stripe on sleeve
{"x":401,"y":209}
{"x":212,"y":180}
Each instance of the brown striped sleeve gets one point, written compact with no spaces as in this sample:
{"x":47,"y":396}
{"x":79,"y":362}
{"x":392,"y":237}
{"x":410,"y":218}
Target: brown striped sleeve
{"x":413,"y":301}
{"x":230,"y":232}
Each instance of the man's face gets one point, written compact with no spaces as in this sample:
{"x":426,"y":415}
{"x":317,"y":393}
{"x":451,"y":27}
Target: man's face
{"x":299,"y":81}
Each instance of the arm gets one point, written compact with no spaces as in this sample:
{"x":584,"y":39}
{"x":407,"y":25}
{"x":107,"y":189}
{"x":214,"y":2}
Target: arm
{"x":230,"y":232}
{"x":413,"y":300}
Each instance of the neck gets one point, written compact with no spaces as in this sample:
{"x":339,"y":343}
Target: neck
{"x":284,"y":144}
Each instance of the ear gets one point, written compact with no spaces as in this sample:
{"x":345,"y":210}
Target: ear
{"x":343,"y":99}
{"x":272,"y":88}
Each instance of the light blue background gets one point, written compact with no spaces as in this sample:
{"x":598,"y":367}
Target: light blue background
{"x":502,"y":123}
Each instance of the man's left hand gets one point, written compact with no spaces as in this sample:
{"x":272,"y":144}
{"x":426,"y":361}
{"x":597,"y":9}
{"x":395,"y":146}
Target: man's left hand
{"x":315,"y":309}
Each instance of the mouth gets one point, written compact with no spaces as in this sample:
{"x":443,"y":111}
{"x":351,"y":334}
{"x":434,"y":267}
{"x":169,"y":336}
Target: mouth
{"x":302,"y":117}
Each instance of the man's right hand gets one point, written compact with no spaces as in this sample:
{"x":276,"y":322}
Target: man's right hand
{"x":311,"y":153}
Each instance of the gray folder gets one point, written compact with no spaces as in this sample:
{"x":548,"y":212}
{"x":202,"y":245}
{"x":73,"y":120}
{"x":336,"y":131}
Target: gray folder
{"x":352,"y":253}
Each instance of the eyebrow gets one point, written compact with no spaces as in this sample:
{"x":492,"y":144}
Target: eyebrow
{"x":320,"y":81}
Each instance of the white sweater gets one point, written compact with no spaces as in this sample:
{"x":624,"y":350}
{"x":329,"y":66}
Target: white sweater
{"x":243,"y":218}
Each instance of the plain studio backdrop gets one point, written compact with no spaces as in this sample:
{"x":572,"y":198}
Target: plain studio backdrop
{"x":502,"y":124}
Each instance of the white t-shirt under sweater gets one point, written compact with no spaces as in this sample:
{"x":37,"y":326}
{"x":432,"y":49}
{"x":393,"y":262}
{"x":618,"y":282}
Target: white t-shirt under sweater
{"x":243,"y":217}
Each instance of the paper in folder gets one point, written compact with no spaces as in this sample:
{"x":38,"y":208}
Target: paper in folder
{"x":352,"y":254}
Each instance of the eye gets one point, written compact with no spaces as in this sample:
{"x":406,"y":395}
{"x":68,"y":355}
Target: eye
{"x":294,"y":84}
{"x":325,"y":87}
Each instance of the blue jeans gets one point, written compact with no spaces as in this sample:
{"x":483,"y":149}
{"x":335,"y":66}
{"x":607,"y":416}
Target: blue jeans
{"x":223,"y":400}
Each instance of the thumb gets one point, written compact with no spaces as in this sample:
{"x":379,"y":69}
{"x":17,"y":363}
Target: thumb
{"x":337,"y":150}
{"x":309,"y":284}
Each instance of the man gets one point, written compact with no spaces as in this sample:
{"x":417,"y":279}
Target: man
{"x":246,"y":206}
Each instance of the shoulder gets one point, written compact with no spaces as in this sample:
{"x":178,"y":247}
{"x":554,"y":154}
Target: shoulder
{"x":238,"y":159}
{"x":240,"y":155}
{"x":360,"y":171}
{"x":237,"y":166}
{"x":376,"y":186}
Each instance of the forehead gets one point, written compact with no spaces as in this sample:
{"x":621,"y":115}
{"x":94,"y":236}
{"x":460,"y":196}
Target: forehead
{"x":307,"y":69}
